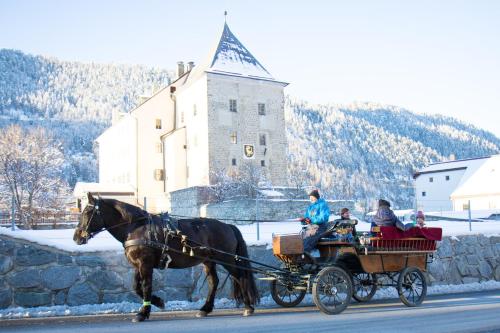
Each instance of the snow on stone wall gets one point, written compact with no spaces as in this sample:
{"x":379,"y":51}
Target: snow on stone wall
{"x":35,"y":275}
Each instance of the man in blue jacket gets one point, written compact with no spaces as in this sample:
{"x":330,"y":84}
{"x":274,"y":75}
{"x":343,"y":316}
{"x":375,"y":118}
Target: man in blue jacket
{"x":315,"y":219}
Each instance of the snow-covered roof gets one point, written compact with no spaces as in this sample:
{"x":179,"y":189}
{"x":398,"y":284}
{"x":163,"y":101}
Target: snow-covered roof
{"x":482,"y":179}
{"x":232,"y":57}
{"x":82,"y":188}
{"x":450,"y":165}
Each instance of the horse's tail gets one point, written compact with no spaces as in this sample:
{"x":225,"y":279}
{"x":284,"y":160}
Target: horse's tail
{"x":245,"y":285}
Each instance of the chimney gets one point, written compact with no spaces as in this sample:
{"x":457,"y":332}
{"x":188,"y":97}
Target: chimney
{"x":180,"y":69}
{"x":190,"y":66}
{"x":452,"y":157}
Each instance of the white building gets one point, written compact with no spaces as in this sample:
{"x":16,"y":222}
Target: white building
{"x":224,"y":113}
{"x":451,"y":185}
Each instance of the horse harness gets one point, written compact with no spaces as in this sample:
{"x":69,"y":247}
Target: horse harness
{"x":168,"y":227}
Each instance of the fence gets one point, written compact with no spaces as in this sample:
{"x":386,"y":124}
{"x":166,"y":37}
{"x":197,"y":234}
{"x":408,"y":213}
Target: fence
{"x":42,"y":219}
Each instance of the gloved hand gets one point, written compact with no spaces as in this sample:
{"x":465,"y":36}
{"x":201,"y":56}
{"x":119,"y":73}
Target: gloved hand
{"x":305,"y":220}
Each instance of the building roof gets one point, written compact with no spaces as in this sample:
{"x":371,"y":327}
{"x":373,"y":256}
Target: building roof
{"x":232,"y":57}
{"x":465,"y":164}
{"x":482,"y":179}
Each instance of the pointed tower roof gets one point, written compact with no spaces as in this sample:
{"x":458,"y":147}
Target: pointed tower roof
{"x":232,"y":58}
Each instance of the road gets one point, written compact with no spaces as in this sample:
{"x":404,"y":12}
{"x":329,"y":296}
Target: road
{"x":470,"y":312}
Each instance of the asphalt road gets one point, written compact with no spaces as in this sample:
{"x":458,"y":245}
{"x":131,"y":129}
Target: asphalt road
{"x":471,"y":312}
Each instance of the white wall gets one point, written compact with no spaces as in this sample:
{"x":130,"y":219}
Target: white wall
{"x":117,"y":153}
{"x":437,"y":192}
{"x":196,"y":130}
{"x":477,"y":203}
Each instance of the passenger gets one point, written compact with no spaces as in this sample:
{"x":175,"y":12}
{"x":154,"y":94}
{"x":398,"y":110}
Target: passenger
{"x":350,"y":232}
{"x":315,"y":219}
{"x":385,"y":216}
{"x":420,"y":219}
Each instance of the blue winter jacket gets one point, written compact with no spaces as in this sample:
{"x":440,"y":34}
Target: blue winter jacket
{"x":318,"y":212}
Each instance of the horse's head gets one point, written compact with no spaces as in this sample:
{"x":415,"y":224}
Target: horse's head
{"x":91,"y":221}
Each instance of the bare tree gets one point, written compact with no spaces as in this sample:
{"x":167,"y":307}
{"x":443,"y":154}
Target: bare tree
{"x":30,"y":169}
{"x":223,"y":185}
{"x":249,"y":176}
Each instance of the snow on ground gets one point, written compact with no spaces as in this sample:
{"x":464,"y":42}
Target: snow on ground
{"x":63,"y":238}
{"x":223,"y":303}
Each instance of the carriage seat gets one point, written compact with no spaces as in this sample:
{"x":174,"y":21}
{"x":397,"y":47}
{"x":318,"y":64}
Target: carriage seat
{"x":393,"y":233}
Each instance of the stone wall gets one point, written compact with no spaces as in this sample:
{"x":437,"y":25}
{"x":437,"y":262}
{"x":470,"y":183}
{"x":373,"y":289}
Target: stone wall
{"x":35,"y":275}
{"x":250,"y":209}
{"x":197,"y":201}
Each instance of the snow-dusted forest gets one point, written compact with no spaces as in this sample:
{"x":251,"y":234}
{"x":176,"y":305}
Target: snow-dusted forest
{"x":360,"y":151}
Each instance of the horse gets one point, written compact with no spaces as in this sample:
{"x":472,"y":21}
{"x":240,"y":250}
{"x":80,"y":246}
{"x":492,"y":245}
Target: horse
{"x":210,"y":242}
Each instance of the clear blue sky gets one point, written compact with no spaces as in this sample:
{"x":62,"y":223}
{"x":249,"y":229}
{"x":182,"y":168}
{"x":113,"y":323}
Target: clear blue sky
{"x":427,"y":56}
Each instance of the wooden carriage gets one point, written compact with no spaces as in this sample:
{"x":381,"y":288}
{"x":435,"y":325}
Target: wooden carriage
{"x":385,"y":257}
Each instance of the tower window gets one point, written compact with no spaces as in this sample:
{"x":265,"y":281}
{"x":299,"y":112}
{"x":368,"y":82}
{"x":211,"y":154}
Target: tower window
{"x":262,"y":109}
{"x":447,"y":177}
{"x":424,"y":194}
{"x":232,"y":105}
{"x":262,"y":163}
{"x":431,"y":179}
{"x":158,"y":123}
{"x":233,"y":161}
{"x":262,"y":139}
{"x":158,"y":174}
{"x":234,"y":137}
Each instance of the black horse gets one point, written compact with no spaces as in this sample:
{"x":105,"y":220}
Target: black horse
{"x":192,"y":244}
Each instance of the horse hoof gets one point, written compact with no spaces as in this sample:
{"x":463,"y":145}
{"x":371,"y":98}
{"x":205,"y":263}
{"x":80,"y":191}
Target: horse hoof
{"x":248,"y":312}
{"x":139,"y":317}
{"x":201,"y":314}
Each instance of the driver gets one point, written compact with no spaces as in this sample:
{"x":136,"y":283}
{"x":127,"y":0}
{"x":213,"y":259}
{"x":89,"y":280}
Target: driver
{"x":315,"y":219}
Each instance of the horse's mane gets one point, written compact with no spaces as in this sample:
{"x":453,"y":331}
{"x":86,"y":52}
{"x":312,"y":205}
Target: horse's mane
{"x":127,"y":211}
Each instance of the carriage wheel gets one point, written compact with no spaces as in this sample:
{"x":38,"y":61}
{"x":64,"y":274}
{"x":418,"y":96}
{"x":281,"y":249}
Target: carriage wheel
{"x":332,"y":290}
{"x":285,"y":294}
{"x":365,"y":286}
{"x":412,"y":286}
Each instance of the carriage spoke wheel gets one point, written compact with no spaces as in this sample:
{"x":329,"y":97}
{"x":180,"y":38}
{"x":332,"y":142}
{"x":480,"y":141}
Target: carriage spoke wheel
{"x":365,"y":286}
{"x":285,"y":294}
{"x":332,"y":290}
{"x":412,"y":286}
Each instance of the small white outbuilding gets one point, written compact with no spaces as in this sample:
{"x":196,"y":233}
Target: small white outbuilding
{"x":452,"y":185}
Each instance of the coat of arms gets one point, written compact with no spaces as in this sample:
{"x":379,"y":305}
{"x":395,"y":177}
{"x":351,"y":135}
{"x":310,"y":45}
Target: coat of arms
{"x":248,"y":151}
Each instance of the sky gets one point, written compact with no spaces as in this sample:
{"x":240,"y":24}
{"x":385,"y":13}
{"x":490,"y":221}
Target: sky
{"x":434,"y":57}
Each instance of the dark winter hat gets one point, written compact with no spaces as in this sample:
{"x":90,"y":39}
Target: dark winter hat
{"x":314,"y":193}
{"x":420,"y":214}
{"x":383,"y":202}
{"x":344,"y":210}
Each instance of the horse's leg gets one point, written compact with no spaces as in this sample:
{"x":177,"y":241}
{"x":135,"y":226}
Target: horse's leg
{"x":213,"y":282}
{"x":155,"y":300}
{"x":146,"y":285}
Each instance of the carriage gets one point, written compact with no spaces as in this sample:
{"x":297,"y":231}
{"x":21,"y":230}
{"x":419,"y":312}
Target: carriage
{"x":345,"y":269}
{"x":353,"y":269}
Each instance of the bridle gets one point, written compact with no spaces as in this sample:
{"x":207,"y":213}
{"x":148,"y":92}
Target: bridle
{"x":84,"y":232}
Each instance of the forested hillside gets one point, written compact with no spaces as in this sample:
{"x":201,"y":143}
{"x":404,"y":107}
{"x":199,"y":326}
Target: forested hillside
{"x":361,"y":151}
{"x":367,"y":151}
